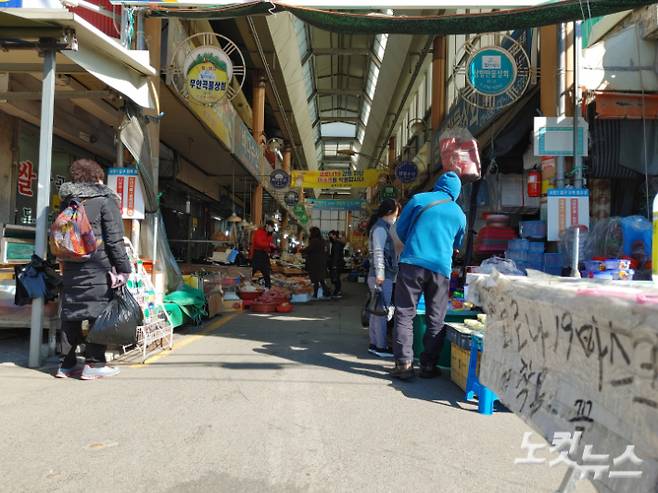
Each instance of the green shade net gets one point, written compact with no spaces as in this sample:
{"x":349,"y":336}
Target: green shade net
{"x":185,"y":304}
{"x":353,"y":23}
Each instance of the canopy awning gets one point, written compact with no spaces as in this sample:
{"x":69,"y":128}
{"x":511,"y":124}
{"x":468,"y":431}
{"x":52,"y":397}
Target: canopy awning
{"x":124,"y":70}
{"x":356,"y":23}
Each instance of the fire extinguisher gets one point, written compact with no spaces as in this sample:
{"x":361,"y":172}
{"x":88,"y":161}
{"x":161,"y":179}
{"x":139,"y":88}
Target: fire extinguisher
{"x":534,"y":183}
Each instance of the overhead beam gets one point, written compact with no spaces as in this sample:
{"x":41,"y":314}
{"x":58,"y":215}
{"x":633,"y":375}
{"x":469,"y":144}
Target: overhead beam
{"x":358,"y":93}
{"x":37,"y":68}
{"x":36,"y":95}
{"x":341,"y":119}
{"x":341,"y":51}
{"x":337,"y":139}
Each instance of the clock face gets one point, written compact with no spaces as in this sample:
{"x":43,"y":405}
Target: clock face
{"x":492,"y":77}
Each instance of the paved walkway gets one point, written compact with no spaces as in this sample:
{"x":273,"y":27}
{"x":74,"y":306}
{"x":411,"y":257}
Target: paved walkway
{"x":258,"y":403}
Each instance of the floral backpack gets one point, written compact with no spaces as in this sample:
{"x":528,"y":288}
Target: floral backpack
{"x":72,"y":238}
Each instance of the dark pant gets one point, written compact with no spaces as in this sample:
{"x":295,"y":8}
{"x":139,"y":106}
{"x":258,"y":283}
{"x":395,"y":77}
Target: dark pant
{"x":261,"y":263}
{"x":411,"y":282}
{"x":335,"y":280}
{"x":72,"y":337}
{"x":316,"y":288}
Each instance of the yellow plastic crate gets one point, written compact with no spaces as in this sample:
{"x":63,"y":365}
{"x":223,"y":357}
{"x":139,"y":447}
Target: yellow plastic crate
{"x":459,"y":358}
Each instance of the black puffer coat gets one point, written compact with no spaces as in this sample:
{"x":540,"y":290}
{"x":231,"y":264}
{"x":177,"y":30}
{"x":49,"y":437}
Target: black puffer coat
{"x":87,"y":284}
{"x":316,"y":259}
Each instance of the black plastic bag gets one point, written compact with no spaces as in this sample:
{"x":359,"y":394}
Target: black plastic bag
{"x":117,"y":324}
{"x":376,"y":305}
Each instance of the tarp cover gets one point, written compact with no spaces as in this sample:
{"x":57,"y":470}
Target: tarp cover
{"x":355,"y":23}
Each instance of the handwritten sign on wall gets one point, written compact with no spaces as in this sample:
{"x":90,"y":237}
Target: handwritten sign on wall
{"x":567,"y":357}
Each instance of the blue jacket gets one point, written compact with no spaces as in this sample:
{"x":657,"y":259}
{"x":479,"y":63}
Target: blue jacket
{"x":431,"y":241}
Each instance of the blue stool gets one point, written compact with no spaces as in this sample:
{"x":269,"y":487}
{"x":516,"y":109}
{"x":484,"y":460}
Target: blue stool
{"x":486,"y":397}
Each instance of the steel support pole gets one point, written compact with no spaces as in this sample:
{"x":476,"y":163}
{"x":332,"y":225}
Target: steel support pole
{"x":43,"y":195}
{"x":577,"y":158}
{"x":561,"y":93}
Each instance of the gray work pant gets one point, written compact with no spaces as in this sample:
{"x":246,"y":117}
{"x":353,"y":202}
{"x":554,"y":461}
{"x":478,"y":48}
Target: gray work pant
{"x":411,"y":282}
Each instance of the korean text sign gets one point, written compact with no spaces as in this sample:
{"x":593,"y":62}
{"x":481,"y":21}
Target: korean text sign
{"x":126,"y":183}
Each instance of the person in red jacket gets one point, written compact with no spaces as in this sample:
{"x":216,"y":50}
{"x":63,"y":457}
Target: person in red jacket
{"x":261,"y":246}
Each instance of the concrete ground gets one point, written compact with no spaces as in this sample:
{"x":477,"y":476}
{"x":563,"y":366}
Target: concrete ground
{"x":258,"y":403}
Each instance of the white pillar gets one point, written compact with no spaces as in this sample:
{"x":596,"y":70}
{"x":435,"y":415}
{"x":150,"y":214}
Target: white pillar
{"x":43,"y":195}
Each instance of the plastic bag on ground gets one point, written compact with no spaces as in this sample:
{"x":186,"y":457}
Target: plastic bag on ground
{"x":117,"y":324}
{"x":459,"y":153}
{"x":503,"y":265}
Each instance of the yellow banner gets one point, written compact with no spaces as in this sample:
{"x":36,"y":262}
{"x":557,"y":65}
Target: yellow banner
{"x":337,"y":178}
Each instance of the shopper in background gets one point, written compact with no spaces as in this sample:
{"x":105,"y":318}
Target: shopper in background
{"x":383,"y":270}
{"x":261,"y":248}
{"x":431,"y":227}
{"x":87,"y":286}
{"x":336,"y":263}
{"x":316,"y":262}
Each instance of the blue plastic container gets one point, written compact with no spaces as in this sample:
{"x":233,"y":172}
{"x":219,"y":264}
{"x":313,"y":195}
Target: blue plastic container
{"x":518,"y":245}
{"x":533,"y":229}
{"x":537,"y":247}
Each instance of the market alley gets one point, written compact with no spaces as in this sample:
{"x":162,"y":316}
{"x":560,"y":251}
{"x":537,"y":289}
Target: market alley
{"x":259,"y":403}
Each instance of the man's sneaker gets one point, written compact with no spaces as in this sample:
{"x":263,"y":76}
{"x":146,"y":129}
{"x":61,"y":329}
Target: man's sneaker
{"x":91,"y":372}
{"x":383,"y":353}
{"x":372,"y":349}
{"x":337,"y":296}
{"x":403,"y":371}
{"x":64,"y":372}
{"x":429,"y":371}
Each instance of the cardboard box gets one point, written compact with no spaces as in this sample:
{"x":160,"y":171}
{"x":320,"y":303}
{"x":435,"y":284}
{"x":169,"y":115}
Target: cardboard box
{"x":232,"y":306}
{"x":215,"y":304}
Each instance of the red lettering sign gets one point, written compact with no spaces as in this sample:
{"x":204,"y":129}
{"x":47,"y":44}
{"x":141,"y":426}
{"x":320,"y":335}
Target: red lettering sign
{"x":120,"y":190}
{"x":131,"y":195}
{"x":26,"y":175}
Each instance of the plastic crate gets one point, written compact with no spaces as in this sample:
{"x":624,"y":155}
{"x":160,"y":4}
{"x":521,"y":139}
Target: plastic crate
{"x":537,"y":247}
{"x":533,"y":229}
{"x":459,"y":359}
{"x":518,"y":244}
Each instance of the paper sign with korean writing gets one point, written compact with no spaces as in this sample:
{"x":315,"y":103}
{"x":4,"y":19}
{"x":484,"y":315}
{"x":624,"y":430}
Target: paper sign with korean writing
{"x":337,"y":178}
{"x":126,"y":183}
{"x":567,"y":207}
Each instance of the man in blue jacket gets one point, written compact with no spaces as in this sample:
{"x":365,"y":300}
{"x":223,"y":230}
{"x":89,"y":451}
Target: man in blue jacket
{"x":431,"y":227}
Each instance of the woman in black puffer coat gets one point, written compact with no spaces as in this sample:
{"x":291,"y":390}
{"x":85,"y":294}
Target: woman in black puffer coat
{"x":87,"y":285}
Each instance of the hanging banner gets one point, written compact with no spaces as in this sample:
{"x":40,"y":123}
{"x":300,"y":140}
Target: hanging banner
{"x":337,"y":205}
{"x":567,"y":207}
{"x":337,"y":178}
{"x":126,"y":183}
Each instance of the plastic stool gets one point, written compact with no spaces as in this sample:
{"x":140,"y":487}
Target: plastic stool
{"x":486,"y":397}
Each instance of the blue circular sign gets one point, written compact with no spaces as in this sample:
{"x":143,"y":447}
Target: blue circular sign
{"x":291,"y":198}
{"x":279,"y":179}
{"x":406,"y":172}
{"x":491,"y":71}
